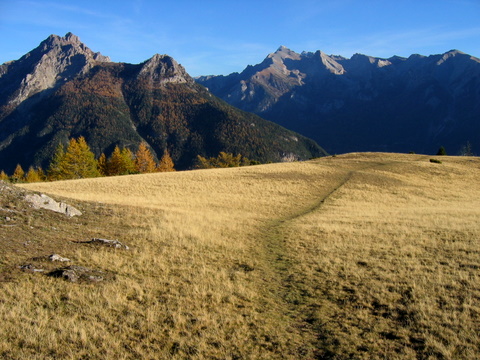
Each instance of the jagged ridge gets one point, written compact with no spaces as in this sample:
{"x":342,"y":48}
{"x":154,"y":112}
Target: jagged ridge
{"x":62,"y":89}
{"x":363,"y":103}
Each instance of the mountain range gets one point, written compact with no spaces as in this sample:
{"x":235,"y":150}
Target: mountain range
{"x":364,"y":103}
{"x":62,"y":89}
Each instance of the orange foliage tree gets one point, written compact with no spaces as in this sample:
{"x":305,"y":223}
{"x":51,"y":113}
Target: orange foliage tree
{"x":144,"y":162}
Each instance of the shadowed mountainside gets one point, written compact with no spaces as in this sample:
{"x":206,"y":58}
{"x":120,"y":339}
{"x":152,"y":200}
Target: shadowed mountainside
{"x":363,"y":103}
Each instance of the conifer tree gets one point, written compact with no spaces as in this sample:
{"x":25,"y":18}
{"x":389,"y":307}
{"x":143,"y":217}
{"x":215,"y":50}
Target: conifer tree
{"x":55,"y":171}
{"x":204,"y":163}
{"x":76,"y":163}
{"x":441,"y":151}
{"x":166,"y":163}
{"x":128,"y":161}
{"x":228,"y":160}
{"x":120,"y":162}
{"x":102,"y":165}
{"x":79,"y":162}
{"x":3,"y":176}
{"x":223,"y":160}
{"x":18,"y":174}
{"x":41,"y":174}
{"x":144,"y":162}
{"x":32,"y":175}
{"x":114,"y":162}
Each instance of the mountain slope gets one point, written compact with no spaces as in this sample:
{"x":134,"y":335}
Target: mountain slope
{"x":363,"y":103}
{"x":62,"y":89}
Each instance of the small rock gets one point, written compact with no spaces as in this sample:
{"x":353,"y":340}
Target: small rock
{"x":77,"y":273}
{"x":245,"y":267}
{"x":111,"y":243}
{"x":30,"y":267}
{"x":56,"y":257}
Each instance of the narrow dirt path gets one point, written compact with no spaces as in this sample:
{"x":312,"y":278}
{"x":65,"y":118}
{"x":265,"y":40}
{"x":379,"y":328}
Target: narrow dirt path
{"x":280,"y":264}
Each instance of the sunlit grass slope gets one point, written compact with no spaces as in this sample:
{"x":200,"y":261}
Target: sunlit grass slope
{"x":360,"y":256}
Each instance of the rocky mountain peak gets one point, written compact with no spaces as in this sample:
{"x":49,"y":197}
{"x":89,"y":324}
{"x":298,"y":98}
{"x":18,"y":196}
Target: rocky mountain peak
{"x":164,"y":69}
{"x":69,"y":38}
{"x":450,"y":55}
{"x":276,"y":63}
{"x":283,"y":53}
{"x":330,"y":63}
{"x":56,"y":60}
{"x":67,"y":43}
{"x":365,"y":62}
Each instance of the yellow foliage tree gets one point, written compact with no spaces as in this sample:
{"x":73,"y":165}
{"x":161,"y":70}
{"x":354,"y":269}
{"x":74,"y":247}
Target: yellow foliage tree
{"x":128,"y":161}
{"x":76,"y":162}
{"x":223,"y":160}
{"x":3,"y":176}
{"x":18,"y":174}
{"x":144,"y":162}
{"x":114,"y":162}
{"x":32,"y":175}
{"x":166,"y":163}
{"x":79,"y":162}
{"x":41,"y":174}
{"x":102,"y":165}
{"x":120,"y":162}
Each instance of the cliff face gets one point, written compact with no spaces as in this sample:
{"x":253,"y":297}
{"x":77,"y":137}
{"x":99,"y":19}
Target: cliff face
{"x":363,"y":103}
{"x":62,"y":89}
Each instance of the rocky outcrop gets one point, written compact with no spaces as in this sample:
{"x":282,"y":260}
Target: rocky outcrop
{"x":45,"y":202}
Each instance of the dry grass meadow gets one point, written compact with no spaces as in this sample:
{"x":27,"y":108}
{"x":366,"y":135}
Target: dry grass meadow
{"x":359,"y":256}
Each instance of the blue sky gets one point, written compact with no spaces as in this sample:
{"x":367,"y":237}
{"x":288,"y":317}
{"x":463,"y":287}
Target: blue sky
{"x":220,"y":37}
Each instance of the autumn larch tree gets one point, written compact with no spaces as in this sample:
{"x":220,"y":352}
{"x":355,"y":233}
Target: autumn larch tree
{"x":120,"y":162}
{"x":102,"y":165}
{"x":3,"y":176}
{"x":166,"y":163}
{"x":144,"y":161}
{"x":18,"y":174}
{"x":32,"y":175}
{"x":128,"y":161}
{"x":77,"y":162}
{"x":223,"y":160}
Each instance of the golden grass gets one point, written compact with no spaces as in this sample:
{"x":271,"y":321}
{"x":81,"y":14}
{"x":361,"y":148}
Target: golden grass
{"x":356,"y":256}
{"x":390,"y":263}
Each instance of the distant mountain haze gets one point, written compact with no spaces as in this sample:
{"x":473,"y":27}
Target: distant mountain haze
{"x":364,"y":103}
{"x":62,"y":89}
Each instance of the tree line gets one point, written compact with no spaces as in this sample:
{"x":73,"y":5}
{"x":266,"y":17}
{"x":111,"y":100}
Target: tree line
{"x":77,"y":161}
{"x":224,"y":160}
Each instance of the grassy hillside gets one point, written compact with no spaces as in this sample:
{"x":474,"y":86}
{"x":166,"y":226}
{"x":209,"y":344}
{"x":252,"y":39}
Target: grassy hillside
{"x":360,"y":256}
